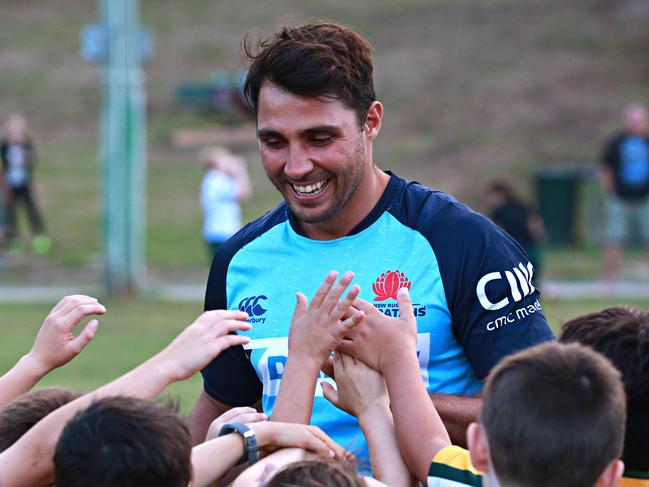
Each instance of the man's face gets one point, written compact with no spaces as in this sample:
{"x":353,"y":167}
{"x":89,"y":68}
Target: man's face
{"x":636,"y":120}
{"x":313,"y":151}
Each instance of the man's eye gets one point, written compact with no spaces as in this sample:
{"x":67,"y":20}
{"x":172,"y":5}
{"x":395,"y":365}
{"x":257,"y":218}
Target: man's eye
{"x":272,"y":143}
{"x":321,"y":140}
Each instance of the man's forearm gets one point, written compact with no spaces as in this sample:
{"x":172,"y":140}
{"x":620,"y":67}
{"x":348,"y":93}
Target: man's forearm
{"x":457,"y":412}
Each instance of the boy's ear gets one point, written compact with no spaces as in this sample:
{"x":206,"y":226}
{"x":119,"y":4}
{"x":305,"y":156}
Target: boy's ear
{"x":612,"y":475}
{"x":478,"y":447}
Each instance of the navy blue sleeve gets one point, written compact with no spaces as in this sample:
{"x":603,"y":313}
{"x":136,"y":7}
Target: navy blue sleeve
{"x":230,"y":378}
{"x":488,"y":280}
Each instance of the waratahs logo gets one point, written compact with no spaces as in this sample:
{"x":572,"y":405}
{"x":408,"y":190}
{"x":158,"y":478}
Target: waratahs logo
{"x":253,"y":307}
{"x":388,"y":284}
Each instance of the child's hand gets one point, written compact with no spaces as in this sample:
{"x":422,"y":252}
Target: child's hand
{"x":243,"y":415}
{"x":202,"y":341}
{"x":272,"y":435}
{"x":55,"y":345}
{"x":317,"y":328}
{"x":359,"y":386}
{"x":379,"y":337}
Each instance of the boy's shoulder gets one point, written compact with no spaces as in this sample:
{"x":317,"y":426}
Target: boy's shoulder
{"x":452,"y":467}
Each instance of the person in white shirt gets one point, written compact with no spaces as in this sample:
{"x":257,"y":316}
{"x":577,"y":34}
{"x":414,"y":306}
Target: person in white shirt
{"x":225,"y":184}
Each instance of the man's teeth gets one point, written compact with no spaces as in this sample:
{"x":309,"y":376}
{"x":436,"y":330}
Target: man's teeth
{"x":309,"y":188}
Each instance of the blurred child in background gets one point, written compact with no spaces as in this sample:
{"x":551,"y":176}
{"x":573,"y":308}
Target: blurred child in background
{"x":224,"y":185}
{"x":18,"y":161}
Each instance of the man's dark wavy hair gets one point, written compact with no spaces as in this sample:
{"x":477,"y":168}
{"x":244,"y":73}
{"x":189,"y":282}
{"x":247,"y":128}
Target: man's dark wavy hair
{"x":320,"y":59}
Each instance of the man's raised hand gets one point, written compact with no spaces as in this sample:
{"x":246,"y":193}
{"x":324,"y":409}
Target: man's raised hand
{"x":319,"y":326}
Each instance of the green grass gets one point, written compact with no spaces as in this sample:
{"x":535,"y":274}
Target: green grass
{"x":132,"y":331}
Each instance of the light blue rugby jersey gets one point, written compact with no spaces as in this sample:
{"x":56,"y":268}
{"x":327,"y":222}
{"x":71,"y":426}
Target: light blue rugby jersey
{"x":470,"y":283}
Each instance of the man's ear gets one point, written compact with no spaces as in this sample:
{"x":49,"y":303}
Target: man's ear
{"x":612,"y":475}
{"x":373,"y":119}
{"x":478,"y":447}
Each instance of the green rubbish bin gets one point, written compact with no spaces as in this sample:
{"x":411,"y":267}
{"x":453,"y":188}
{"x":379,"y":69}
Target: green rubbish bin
{"x":557,"y":192}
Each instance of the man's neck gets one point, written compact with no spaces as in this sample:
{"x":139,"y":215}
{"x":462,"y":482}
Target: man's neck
{"x":356,"y":209}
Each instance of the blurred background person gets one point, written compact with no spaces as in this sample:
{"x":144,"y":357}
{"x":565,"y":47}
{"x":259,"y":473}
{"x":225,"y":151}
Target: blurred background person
{"x":225,"y":184}
{"x":624,"y":176}
{"x":519,"y":219}
{"x":18,"y":161}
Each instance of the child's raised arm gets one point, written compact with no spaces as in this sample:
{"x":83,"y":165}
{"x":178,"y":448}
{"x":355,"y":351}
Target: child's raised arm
{"x":29,"y":461}
{"x":54,"y":346}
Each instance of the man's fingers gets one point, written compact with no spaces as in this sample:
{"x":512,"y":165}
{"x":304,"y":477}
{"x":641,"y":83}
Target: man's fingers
{"x":405,"y":304}
{"x":83,"y":338}
{"x":330,"y":393}
{"x":324,"y":288}
{"x":328,"y":367}
{"x":332,"y":297}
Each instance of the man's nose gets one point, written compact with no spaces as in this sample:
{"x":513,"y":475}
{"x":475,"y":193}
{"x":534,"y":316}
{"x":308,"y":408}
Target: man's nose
{"x":298,"y":163}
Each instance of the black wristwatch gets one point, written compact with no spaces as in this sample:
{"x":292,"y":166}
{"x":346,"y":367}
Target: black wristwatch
{"x":251,"y":453}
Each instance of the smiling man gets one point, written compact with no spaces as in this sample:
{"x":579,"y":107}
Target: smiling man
{"x":317,"y":118}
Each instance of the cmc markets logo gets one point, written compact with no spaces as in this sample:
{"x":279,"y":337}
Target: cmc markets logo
{"x":388,"y":284}
{"x":520,"y":285}
{"x":253,"y":307}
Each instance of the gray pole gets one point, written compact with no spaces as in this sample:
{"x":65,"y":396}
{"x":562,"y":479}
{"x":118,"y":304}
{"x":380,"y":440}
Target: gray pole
{"x":123,"y":150}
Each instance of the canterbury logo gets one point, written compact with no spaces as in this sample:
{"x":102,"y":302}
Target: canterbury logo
{"x":388,"y":285}
{"x":520,"y":284}
{"x":252,"y":306}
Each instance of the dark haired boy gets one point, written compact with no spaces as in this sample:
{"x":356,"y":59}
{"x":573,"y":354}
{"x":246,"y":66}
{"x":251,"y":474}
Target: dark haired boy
{"x":317,"y":117}
{"x":25,"y":411}
{"x":621,"y":334}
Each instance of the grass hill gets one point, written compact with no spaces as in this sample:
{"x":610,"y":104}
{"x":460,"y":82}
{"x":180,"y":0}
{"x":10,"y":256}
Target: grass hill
{"x":472,"y":89}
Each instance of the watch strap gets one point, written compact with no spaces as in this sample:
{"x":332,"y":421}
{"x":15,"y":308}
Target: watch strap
{"x":251,"y":453}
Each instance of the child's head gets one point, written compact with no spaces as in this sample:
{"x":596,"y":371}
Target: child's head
{"x":220,"y":159}
{"x":27,"y":410}
{"x":124,"y":441}
{"x":16,"y":128}
{"x":316,"y":473}
{"x":552,"y":415}
{"x":621,"y":334}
